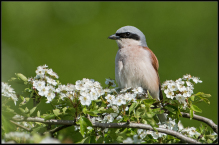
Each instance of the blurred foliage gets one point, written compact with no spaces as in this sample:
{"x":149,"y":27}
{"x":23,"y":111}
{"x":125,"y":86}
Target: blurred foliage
{"x":71,"y":38}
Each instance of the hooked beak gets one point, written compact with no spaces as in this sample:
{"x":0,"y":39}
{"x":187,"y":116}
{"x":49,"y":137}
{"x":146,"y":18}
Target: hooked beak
{"x":114,"y":37}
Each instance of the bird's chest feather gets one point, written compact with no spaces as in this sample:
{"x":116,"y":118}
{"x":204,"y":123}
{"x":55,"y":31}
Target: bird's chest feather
{"x":134,"y":68}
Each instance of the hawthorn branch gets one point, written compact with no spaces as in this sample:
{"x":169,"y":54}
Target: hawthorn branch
{"x":27,"y":129}
{"x":111,"y":125}
{"x":52,"y":131}
{"x":202,"y":119}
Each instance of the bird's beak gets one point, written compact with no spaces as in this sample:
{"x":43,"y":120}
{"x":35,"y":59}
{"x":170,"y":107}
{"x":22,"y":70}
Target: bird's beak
{"x":114,"y":37}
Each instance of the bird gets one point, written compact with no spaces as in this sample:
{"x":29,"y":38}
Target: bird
{"x":135,"y":64}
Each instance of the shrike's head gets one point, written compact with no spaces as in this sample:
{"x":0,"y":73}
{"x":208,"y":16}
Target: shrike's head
{"x":129,"y":35}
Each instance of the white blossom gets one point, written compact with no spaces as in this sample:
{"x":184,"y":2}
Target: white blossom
{"x":108,"y":118}
{"x":138,"y":90}
{"x":169,"y":93}
{"x":128,"y":140}
{"x":85,"y":99}
{"x":8,"y":91}
{"x":119,"y":100}
{"x":180,"y":98}
{"x":196,"y":80}
{"x":110,"y":98}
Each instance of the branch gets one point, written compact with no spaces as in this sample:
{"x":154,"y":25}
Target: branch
{"x":112,"y":125}
{"x":27,"y":129}
{"x":202,"y":119}
{"x":147,"y":127}
{"x":42,"y":120}
{"x":57,"y":129}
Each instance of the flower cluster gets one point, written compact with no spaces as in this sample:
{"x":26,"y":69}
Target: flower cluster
{"x":181,"y":88}
{"x":190,"y":131}
{"x":8,"y":91}
{"x":89,"y":90}
{"x":45,"y":82}
{"x":141,"y":133}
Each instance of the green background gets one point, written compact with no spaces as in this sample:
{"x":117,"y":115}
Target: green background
{"x":71,"y":38}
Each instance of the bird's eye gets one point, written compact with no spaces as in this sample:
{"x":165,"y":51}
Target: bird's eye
{"x":127,"y":33}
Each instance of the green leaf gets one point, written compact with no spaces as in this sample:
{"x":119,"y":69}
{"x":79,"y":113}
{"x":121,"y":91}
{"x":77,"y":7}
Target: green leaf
{"x":7,"y":126}
{"x":152,"y":122}
{"x":21,"y":76}
{"x":64,"y":109}
{"x":56,"y":112}
{"x":140,"y":111}
{"x":203,"y":95}
{"x":26,"y":110}
{"x":195,"y":108}
{"x":132,"y":107}
{"x":38,"y":113}
{"x":85,"y":140}
{"x":84,"y":110}
{"x":87,"y":121}
{"x":119,"y":138}
{"x":148,"y":115}
{"x":92,"y":139}
{"x":50,"y":116}
{"x":126,"y":118}
{"x":149,"y":101}
{"x":101,"y":109}
{"x":84,"y":123}
{"x":93,"y":113}
{"x":192,"y":97}
{"x":32,"y":110}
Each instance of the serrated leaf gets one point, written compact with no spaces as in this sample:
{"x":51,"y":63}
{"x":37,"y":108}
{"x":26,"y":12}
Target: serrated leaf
{"x":101,"y":109}
{"x":22,"y":110}
{"x":195,"y":108}
{"x":38,"y":113}
{"x":152,"y":122}
{"x":149,"y":101}
{"x":148,"y":115}
{"x":201,"y":94}
{"x":26,"y":110}
{"x":119,"y":138}
{"x":132,"y":107}
{"x":22,"y":98}
{"x":87,"y":121}
{"x":192,"y":97}
{"x":93,"y":113}
{"x":51,"y":116}
{"x":56,"y":112}
{"x":140,"y":111}
{"x":84,"y":110}
{"x":85,"y":140}
{"x":84,"y":123}
{"x":32,"y":110}
{"x":64,"y":109}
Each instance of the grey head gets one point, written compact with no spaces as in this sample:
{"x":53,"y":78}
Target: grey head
{"x":129,"y":32}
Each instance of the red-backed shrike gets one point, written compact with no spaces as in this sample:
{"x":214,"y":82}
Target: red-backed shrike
{"x":135,"y":64}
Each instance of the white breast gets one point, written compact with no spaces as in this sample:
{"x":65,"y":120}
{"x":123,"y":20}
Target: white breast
{"x":134,"y":69}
